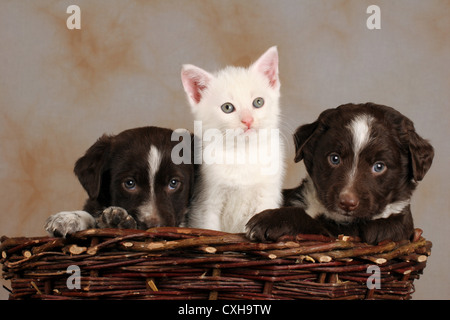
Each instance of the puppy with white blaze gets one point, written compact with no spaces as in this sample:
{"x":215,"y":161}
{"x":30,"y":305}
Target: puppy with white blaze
{"x":363,"y":162}
{"x":242,"y":155}
{"x":132,"y":183}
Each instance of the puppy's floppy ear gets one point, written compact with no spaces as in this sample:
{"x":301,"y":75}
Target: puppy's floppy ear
{"x":421,"y":152}
{"x":301,"y":137}
{"x":305,"y":132}
{"x":92,"y":165}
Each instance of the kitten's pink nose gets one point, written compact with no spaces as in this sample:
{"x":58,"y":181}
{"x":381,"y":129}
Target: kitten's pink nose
{"x":248,"y":121}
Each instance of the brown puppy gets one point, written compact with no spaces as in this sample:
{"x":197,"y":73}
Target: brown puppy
{"x":131,"y":181}
{"x":363,"y":163}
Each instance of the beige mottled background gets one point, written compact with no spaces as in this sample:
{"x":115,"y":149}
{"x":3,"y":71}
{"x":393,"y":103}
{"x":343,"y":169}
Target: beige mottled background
{"x":61,"y":89}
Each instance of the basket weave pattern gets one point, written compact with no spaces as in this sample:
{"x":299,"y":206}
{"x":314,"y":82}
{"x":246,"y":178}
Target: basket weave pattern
{"x":182,"y":263}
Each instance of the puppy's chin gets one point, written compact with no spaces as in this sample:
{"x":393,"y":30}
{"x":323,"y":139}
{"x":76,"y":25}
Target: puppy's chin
{"x":349,"y":216}
{"x":339,"y":216}
{"x":342,"y":216}
{"x":148,"y":222}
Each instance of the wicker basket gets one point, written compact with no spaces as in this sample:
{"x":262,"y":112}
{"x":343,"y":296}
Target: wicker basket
{"x":182,"y":263}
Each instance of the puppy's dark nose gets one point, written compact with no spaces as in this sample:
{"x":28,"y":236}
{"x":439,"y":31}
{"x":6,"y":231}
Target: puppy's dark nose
{"x":348,"y":201}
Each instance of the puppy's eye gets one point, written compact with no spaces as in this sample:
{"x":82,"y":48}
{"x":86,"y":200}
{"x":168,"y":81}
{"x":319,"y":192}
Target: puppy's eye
{"x":258,"y":102}
{"x":227,"y":107}
{"x":129,"y":184}
{"x":174,"y":184}
{"x":334,"y":159}
{"x":379,"y":167}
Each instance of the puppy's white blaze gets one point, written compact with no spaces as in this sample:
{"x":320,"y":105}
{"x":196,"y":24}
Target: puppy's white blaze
{"x":360,"y":128}
{"x":154,"y":161}
{"x":147,"y":210}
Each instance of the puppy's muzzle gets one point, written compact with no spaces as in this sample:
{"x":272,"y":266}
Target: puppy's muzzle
{"x":348,"y":201}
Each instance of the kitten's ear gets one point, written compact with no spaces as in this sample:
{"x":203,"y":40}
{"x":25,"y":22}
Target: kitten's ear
{"x":267,"y":64}
{"x":195,"y":82}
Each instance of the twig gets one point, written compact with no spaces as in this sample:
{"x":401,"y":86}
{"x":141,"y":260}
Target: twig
{"x":11,"y":245}
{"x":52,"y":244}
{"x":403,"y":250}
{"x":417,"y":234}
{"x":178,"y":244}
{"x":188,"y":231}
{"x":74,"y":249}
{"x":252,"y":246}
{"x":356,"y":252}
{"x":93,"y":249}
{"x":312,"y":249}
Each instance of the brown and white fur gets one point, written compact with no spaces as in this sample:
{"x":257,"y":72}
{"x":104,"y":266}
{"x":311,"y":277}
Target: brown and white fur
{"x":363,"y":163}
{"x":131,"y":181}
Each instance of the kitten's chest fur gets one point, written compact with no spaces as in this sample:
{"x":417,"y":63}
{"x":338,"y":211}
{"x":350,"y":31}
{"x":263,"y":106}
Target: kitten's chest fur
{"x":247,"y":165}
{"x":237,"y":191}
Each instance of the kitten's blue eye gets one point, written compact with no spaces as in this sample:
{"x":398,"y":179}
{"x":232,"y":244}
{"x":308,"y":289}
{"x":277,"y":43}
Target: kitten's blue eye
{"x":227,"y":107}
{"x":129,"y":184}
{"x":258,"y":102}
{"x":334,"y":159}
{"x":379,"y":167}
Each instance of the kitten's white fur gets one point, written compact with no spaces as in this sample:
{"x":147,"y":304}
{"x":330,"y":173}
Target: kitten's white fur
{"x":228,"y":195}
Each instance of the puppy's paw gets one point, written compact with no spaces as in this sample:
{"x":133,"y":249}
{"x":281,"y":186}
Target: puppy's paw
{"x":67,"y":222}
{"x":266,"y":226}
{"x":116,"y":217}
{"x":273,"y":223}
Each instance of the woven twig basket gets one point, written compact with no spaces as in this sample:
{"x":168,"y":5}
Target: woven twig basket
{"x":182,"y":263}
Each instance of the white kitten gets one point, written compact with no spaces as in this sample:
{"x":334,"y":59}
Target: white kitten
{"x":242,"y":169}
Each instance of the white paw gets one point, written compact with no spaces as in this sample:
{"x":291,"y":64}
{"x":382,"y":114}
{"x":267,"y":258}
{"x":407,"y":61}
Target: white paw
{"x":68,"y":222}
